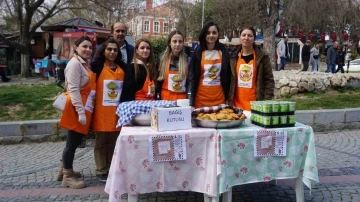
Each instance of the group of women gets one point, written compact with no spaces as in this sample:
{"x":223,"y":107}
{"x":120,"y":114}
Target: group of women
{"x":211,"y":76}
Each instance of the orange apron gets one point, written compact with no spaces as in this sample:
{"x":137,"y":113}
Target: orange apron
{"x":147,"y":92}
{"x":108,"y":91}
{"x":69,"y":118}
{"x":246,"y":83}
{"x":210,"y":92}
{"x":173,"y":88}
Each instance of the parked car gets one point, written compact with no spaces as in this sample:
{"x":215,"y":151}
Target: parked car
{"x":354,"y":66}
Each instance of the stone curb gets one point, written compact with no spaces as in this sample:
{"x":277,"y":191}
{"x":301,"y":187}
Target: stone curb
{"x":48,"y":130}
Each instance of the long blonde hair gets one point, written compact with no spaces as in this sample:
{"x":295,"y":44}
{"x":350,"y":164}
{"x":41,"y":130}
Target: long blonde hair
{"x":149,"y":64}
{"x":167,"y":54}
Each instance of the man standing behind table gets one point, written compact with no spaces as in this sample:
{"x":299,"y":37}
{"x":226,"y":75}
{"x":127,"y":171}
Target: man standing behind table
{"x":118,"y":32}
{"x":332,"y":57}
{"x":283,"y":52}
{"x":305,"y":54}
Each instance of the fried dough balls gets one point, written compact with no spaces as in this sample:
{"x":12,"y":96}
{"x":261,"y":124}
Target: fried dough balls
{"x":225,"y":114}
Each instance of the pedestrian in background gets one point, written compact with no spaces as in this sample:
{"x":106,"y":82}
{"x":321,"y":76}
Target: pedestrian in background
{"x":209,"y":71}
{"x":80,"y":84}
{"x":314,"y":57}
{"x":341,"y":59}
{"x":305,"y":55}
{"x":283,"y":52}
{"x":109,"y":87}
{"x":140,"y":78}
{"x":172,"y":79}
{"x":332,"y":57}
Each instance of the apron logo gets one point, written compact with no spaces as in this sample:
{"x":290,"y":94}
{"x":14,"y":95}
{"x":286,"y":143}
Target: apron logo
{"x":176,"y":86}
{"x":213,"y":73}
{"x":245,"y":73}
{"x":112,"y":93}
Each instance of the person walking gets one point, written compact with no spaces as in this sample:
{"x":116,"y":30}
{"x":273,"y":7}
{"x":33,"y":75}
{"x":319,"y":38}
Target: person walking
{"x":172,"y":79}
{"x":109,"y":87}
{"x":305,"y":55}
{"x":209,"y":70}
{"x":341,"y":59}
{"x":254,"y":78}
{"x":314,"y":58}
{"x":283,"y":52}
{"x":332,"y":57}
{"x":140,"y":78}
{"x":80,"y":85}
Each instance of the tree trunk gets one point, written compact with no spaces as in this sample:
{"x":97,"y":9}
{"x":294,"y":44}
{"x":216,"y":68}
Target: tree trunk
{"x":25,"y":65}
{"x":269,"y":44}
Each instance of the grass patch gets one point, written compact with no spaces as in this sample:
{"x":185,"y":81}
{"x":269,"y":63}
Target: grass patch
{"x":340,"y":98}
{"x":28,"y":102}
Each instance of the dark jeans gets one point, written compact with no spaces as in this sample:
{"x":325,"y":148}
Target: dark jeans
{"x":306,"y":66}
{"x":283,"y":63}
{"x":3,"y":75}
{"x":73,"y":141}
{"x":340,"y":67}
{"x":331,"y":68}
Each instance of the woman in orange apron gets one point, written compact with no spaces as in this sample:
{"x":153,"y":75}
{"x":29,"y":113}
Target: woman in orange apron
{"x":109,"y":86}
{"x":251,"y":66}
{"x":140,"y":76}
{"x":172,"y":81}
{"x":210,"y":72}
{"x":80,"y":83}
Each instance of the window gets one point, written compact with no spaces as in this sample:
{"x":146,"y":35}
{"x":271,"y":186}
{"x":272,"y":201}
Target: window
{"x":146,"y":26}
{"x":156,"y":26}
{"x":166,"y":27}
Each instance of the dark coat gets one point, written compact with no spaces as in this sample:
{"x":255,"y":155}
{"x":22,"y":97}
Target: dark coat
{"x":131,"y":86}
{"x":195,"y":73}
{"x":305,"y":53}
{"x":265,"y":83}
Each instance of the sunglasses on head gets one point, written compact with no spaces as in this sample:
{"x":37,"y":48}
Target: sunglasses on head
{"x":112,"y":49}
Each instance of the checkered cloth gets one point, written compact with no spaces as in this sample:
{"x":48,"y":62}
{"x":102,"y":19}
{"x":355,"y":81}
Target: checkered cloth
{"x":216,"y":109}
{"x":127,"y":110}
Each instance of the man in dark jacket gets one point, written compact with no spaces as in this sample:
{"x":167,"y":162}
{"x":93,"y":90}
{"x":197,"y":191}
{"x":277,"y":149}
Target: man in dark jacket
{"x":332,"y":57}
{"x":305,"y":55}
{"x":125,"y":56}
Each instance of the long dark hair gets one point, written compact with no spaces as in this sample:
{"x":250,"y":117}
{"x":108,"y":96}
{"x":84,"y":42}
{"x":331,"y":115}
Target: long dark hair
{"x":253,"y":32}
{"x":203,"y":34}
{"x":149,"y":64}
{"x":100,"y":53}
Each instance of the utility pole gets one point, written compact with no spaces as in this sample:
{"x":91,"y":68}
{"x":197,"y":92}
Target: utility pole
{"x":202,"y":16}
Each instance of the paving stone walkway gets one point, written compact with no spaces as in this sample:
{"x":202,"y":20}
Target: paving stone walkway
{"x":28,"y":171}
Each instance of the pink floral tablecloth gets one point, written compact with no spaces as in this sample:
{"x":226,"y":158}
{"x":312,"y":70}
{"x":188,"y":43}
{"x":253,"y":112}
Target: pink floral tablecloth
{"x":132,"y":172}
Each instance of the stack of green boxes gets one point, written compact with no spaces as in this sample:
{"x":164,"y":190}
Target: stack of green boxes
{"x":273,"y":114}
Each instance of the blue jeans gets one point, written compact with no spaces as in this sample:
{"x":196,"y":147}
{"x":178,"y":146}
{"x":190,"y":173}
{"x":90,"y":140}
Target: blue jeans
{"x":315,"y":66}
{"x":283,"y":63}
{"x":331,"y":68}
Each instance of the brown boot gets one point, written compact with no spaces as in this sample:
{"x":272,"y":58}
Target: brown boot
{"x":70,"y":181}
{"x":60,"y":174}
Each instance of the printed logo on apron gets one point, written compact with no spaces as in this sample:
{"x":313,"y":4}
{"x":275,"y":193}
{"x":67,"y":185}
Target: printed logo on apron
{"x":151,"y":90}
{"x":90,"y":102}
{"x":175,"y":84}
{"x":112,"y":92}
{"x":245,"y":75}
{"x":212,"y":74}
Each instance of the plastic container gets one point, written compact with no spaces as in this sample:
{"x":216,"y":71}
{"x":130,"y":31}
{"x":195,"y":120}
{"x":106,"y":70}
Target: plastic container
{"x":260,"y":119}
{"x":284,"y":106}
{"x":291,"y":106}
{"x":267,"y":120}
{"x":283,"y":119}
{"x":275,"y":120}
{"x":275,"y":107}
{"x":291,"y":119}
{"x":267,"y":107}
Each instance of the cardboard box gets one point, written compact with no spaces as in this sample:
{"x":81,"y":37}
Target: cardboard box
{"x":170,"y":118}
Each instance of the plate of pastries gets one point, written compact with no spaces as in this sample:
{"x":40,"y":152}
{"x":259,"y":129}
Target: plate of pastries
{"x":221,"y":118}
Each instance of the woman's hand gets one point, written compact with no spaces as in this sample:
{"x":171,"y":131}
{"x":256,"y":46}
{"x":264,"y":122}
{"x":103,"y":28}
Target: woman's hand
{"x":82,"y":119}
